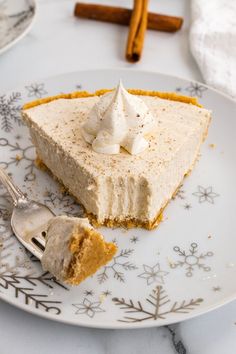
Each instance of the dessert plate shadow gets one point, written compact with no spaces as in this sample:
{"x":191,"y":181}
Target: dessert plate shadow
{"x":180,"y":270}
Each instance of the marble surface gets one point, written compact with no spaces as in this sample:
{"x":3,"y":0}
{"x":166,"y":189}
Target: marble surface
{"x":56,"y":45}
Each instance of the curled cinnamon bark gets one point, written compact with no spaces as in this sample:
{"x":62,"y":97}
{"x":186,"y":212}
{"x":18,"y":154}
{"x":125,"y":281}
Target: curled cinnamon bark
{"x":137,"y":30}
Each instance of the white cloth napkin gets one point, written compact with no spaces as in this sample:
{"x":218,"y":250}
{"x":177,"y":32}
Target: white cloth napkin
{"x":213,"y":42}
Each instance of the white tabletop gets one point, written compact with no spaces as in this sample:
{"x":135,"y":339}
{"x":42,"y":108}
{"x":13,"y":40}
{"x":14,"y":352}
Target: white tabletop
{"x":59,"y":43}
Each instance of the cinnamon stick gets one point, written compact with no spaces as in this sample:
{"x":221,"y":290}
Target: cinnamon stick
{"x":137,"y":30}
{"x":122,"y":16}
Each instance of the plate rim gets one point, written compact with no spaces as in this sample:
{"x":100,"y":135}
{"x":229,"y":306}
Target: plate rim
{"x":100,"y":324}
{"x":118,"y":68}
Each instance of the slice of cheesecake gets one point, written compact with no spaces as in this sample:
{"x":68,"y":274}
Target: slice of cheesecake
{"x":122,"y":189}
{"x":74,"y":250}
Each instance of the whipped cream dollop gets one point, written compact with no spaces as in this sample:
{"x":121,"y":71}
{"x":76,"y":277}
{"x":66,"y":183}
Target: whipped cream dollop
{"x":118,"y":119}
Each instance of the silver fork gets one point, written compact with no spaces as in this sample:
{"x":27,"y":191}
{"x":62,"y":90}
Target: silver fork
{"x":29,"y":218}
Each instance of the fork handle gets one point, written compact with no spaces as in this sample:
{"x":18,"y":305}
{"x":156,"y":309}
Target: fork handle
{"x":12,"y":189}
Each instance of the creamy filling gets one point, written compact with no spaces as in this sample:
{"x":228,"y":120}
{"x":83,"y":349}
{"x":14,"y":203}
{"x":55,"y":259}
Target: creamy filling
{"x":119,"y":186}
{"x":118,"y":119}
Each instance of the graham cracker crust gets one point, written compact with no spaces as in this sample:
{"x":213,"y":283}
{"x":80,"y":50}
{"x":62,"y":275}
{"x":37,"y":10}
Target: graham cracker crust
{"x":127,"y":223}
{"x":90,"y":252}
{"x":82,"y":94}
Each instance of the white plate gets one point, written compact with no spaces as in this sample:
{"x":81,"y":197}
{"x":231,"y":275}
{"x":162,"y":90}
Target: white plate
{"x":184,"y":268}
{"x":16,"y":19}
